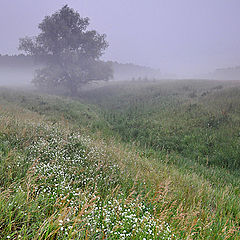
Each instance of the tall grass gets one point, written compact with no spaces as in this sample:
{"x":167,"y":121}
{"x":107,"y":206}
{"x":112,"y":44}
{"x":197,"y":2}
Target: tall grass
{"x":61,"y":184}
{"x":70,"y":176}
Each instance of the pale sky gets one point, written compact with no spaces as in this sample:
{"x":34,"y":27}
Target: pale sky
{"x":177,"y":36}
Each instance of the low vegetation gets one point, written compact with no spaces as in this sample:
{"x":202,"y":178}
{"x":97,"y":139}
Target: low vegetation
{"x":150,"y":160}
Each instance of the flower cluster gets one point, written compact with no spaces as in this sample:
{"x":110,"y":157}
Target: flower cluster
{"x":73,"y":173}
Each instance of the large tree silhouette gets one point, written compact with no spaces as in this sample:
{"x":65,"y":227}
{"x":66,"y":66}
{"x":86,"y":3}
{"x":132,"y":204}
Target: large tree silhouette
{"x":69,"y":51}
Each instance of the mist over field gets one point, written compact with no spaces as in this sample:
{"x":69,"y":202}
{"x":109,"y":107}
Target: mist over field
{"x":16,"y":71}
{"x":120,"y":120}
{"x":181,"y":38}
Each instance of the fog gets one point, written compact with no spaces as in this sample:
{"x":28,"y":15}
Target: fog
{"x":16,"y":78}
{"x":187,"y":38}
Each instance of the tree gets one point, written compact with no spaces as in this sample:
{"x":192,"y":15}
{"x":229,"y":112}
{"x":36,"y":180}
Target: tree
{"x":69,"y":51}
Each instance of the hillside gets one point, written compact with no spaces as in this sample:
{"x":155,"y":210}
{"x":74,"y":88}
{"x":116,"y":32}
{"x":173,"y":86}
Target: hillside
{"x":145,"y":160}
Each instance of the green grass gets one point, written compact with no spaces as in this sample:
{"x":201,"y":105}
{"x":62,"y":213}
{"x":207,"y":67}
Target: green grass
{"x":155,"y":160}
{"x":59,"y":183}
{"x":203,"y":127}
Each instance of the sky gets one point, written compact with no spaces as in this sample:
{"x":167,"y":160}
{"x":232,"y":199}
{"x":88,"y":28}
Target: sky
{"x":177,"y":36}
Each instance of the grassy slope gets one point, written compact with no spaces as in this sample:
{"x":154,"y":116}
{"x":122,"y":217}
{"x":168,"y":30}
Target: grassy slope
{"x":59,"y":183}
{"x":164,"y":186}
{"x":194,"y":123}
{"x":198,"y":120}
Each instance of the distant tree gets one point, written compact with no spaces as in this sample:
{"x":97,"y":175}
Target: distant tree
{"x":69,"y":51}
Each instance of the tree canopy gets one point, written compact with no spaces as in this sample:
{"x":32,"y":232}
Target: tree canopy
{"x":69,"y":51}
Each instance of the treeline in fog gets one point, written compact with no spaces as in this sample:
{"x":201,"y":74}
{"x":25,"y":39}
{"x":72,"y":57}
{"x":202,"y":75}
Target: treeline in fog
{"x":19,"y":69}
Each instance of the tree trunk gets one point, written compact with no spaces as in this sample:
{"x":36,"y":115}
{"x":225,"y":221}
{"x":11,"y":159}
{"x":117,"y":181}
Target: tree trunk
{"x":73,"y":90}
{"x":72,"y":86}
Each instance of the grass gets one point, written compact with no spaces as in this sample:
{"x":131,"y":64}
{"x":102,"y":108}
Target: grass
{"x":61,"y":184}
{"x":155,"y":160}
{"x":203,"y":126}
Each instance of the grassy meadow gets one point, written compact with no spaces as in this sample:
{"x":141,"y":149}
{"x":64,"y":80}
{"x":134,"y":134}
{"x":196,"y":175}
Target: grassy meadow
{"x":124,"y":160}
